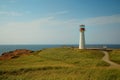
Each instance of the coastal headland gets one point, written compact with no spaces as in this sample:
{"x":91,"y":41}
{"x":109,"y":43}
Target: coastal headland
{"x":64,"y":63}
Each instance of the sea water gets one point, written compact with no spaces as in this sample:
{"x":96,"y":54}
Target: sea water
{"x":6,"y":48}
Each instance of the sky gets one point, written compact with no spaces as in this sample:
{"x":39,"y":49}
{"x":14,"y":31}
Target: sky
{"x":57,"y":21}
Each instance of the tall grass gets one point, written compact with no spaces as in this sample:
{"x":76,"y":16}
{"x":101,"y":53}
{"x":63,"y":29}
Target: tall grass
{"x":115,"y":56}
{"x":59,"y":64}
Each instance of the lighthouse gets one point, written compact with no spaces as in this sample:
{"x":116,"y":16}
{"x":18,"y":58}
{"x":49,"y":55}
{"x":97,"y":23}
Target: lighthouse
{"x":82,"y":37}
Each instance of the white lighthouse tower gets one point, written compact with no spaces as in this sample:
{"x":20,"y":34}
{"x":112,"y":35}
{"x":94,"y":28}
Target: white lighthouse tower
{"x":82,"y":37}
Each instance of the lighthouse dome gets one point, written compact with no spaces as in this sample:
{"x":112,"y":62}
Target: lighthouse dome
{"x":82,"y":26}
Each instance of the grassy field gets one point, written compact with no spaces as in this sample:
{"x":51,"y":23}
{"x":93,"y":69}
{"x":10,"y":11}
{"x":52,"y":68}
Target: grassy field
{"x":59,"y":64}
{"x":115,"y":56}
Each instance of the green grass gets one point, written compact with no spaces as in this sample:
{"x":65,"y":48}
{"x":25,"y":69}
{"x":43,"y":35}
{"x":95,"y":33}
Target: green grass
{"x":115,"y":56}
{"x":59,"y":64}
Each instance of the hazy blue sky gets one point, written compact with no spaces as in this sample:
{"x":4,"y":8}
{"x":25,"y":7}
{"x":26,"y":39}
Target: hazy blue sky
{"x":57,"y":21}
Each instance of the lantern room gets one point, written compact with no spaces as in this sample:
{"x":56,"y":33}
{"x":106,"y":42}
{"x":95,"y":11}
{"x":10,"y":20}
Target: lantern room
{"x":82,"y":28}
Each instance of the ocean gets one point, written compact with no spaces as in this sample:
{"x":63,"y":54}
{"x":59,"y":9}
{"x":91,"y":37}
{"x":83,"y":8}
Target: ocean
{"x":6,"y":48}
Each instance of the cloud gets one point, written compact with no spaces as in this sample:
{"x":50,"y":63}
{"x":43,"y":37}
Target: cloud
{"x":53,"y":21}
{"x":49,"y":29}
{"x":35,"y":23}
{"x":102,"y":20}
{"x":36,"y":31}
{"x":10,"y":13}
{"x":59,"y":13}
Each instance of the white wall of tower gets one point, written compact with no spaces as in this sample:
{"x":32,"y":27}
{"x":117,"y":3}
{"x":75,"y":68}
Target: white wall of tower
{"x":82,"y":40}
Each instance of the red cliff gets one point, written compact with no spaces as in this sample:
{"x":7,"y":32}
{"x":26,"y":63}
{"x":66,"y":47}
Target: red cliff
{"x":15,"y":54}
